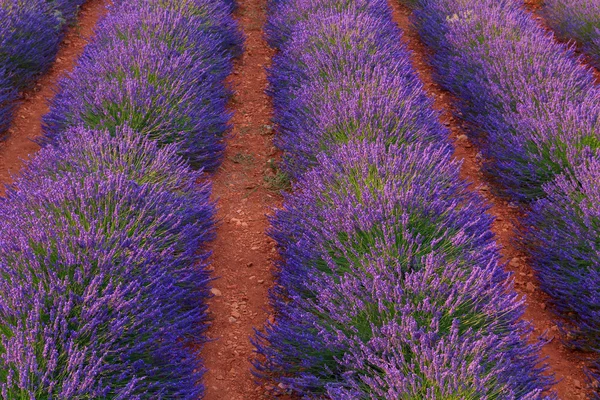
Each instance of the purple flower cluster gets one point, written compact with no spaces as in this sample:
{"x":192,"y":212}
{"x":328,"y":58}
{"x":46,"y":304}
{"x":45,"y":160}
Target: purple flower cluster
{"x":351,"y":51}
{"x":535,"y":112}
{"x":563,"y":241}
{"x":103,"y":262}
{"x":577,"y":20}
{"x":157,"y":67}
{"x":390,"y":284}
{"x":30,"y":32}
{"x":528,"y":99}
{"x":103,"y":282}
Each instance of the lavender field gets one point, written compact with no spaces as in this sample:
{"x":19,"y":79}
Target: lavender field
{"x":285,"y":199}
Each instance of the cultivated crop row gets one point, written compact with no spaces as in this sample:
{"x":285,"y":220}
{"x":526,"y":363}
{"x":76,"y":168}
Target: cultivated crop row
{"x":102,"y":238}
{"x":30,"y":32}
{"x":535,"y":113}
{"x":577,"y":20}
{"x":390,"y":283}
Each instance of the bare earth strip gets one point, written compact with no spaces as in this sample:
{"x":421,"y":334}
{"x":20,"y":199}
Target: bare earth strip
{"x":564,"y":363}
{"x":242,"y":253}
{"x":27,"y":124}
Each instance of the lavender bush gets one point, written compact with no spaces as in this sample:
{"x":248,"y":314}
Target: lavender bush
{"x":103,"y":275}
{"x":528,"y":99}
{"x":284,"y":16}
{"x":345,"y":77}
{"x":30,"y":32}
{"x":535,"y":113}
{"x":158,"y":70}
{"x":389,"y":284}
{"x":564,"y":244}
{"x":97,"y":301}
{"x":577,"y":20}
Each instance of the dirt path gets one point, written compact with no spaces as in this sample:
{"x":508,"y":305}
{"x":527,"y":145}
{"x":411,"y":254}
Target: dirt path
{"x":563,"y":362}
{"x":242,"y":253}
{"x":27,"y":124}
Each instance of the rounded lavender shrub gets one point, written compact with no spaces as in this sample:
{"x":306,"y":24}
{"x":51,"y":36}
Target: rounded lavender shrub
{"x":99,"y":153}
{"x":357,"y":104}
{"x":30,"y":32}
{"x":333,"y":41}
{"x":169,"y":86}
{"x":214,"y":15}
{"x":104,"y":301}
{"x":29,"y":38}
{"x":528,"y":99}
{"x":198,"y":25}
{"x":92,"y":152}
{"x":563,"y":240}
{"x":341,"y":78}
{"x":162,"y":97}
{"x":284,"y":16}
{"x":576,"y":20}
{"x":390,"y":285}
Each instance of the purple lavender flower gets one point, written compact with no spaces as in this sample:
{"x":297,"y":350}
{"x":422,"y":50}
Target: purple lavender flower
{"x":343,"y":77}
{"x":100,"y":298}
{"x":577,"y":20}
{"x":390,"y":285}
{"x":527,"y":98}
{"x":563,"y":241}
{"x":156,"y":72}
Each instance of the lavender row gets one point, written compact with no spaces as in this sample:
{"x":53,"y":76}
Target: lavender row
{"x":535,"y":113}
{"x":577,"y":20}
{"x":103,"y":258}
{"x":390,"y":284}
{"x":528,"y":99}
{"x":30,"y":32}
{"x":157,"y":67}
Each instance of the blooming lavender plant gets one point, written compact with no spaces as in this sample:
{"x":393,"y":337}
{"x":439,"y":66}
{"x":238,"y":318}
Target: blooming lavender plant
{"x":97,"y":301}
{"x":156,"y":72}
{"x":577,"y":20}
{"x":535,"y":112}
{"x":527,"y":98}
{"x":345,"y":78}
{"x":103,"y":276}
{"x":563,"y":242}
{"x":101,"y":154}
{"x":195,"y":21}
{"x":284,"y":16}
{"x":30,"y":32}
{"x":390,"y":285}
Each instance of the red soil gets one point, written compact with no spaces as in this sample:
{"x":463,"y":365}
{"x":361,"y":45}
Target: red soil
{"x":564,"y":363}
{"x":27,"y":124}
{"x":242,"y":253}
